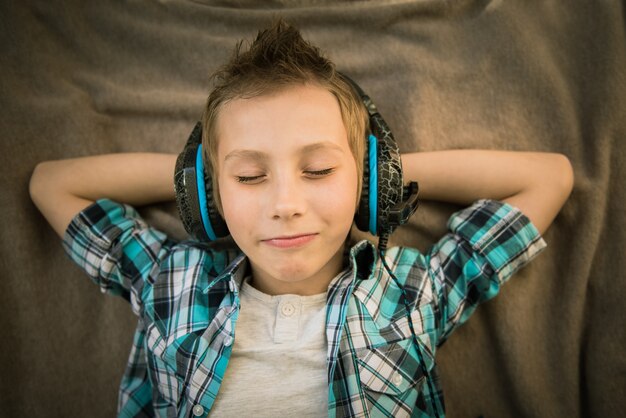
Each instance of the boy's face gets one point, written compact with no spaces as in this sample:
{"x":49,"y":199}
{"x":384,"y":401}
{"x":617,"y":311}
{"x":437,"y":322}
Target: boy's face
{"x":288,"y":183}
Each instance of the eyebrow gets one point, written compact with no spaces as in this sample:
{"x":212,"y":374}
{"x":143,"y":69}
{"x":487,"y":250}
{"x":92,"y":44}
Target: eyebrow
{"x":246,"y":154}
{"x":258,"y":155}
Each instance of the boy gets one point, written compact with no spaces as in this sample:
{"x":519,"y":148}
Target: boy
{"x":294,"y":322}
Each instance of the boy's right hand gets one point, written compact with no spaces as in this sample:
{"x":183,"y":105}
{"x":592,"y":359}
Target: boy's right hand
{"x":62,"y":188}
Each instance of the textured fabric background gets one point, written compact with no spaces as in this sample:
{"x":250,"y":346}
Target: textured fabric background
{"x":82,"y":78}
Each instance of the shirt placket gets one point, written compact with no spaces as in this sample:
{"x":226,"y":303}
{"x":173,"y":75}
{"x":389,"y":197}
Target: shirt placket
{"x":204,"y":386}
{"x":337,"y":306}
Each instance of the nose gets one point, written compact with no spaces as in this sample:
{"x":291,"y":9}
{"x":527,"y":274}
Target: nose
{"x":287,"y":198}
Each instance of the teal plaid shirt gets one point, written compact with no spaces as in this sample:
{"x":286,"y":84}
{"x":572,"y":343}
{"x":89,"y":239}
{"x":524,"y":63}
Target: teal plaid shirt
{"x":186,"y":296}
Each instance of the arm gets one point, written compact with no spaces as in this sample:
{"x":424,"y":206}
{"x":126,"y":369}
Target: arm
{"x":61,"y":189}
{"x":536,"y":183}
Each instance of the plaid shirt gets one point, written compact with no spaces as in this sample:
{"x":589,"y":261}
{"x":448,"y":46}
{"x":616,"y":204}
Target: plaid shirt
{"x":186,"y":296}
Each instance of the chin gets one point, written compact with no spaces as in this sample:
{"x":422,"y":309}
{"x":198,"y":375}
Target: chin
{"x":292,"y":274}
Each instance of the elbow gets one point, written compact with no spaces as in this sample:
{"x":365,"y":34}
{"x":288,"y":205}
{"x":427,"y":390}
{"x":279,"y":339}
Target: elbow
{"x":39,"y":184}
{"x":550,"y":188}
{"x":35,"y":184}
{"x":564,"y":175}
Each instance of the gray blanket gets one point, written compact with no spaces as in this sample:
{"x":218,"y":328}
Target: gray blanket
{"x":83,"y":78}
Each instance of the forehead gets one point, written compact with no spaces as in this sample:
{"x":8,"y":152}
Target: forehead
{"x":292,"y":118}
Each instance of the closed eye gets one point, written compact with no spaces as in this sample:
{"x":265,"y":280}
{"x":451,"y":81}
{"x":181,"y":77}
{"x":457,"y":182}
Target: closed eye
{"x":319,"y":173}
{"x":260,"y":178}
{"x":250,"y":179}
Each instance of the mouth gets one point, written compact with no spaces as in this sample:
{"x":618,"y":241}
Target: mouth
{"x":292,"y":241}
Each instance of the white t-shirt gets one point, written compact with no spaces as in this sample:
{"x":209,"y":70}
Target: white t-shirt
{"x":278,"y":364}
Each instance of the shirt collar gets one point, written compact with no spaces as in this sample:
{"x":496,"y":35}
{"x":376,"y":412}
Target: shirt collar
{"x":234,"y":274}
{"x":362,"y":258}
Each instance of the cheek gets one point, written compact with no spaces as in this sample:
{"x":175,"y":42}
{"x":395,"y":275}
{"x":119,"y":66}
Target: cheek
{"x":235,"y":208}
{"x":338,"y":200}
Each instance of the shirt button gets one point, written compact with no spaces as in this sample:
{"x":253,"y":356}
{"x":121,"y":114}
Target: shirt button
{"x":198,"y":410}
{"x":397,"y":379}
{"x":288,"y":309}
{"x":228,"y":341}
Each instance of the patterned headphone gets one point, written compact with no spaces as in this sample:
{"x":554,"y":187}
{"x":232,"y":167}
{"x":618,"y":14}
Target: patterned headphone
{"x":385,"y":202}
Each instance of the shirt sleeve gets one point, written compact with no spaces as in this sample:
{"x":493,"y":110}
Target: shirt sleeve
{"x":116,"y":248}
{"x":488,"y":242}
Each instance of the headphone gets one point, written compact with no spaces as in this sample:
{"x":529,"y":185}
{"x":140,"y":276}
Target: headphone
{"x":385,"y":202}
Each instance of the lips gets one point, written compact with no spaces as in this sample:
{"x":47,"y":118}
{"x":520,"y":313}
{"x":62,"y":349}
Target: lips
{"x":292,"y":241}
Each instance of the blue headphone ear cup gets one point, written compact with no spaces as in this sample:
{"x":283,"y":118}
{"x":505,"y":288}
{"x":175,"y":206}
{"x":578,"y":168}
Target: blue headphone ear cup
{"x":215,"y":220}
{"x":382,"y":184}
{"x":362,"y":216}
{"x":194,"y":197}
{"x":390,"y":187}
{"x":367,"y":218}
